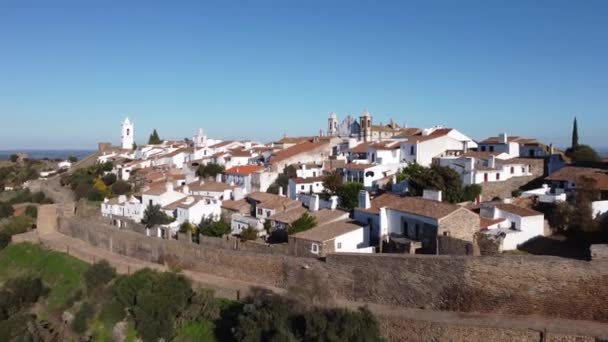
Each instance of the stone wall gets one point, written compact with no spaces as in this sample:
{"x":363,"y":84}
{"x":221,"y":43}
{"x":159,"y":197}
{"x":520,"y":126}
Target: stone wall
{"x":506,"y":284}
{"x":503,"y":189}
{"x":396,"y":329}
{"x":450,"y":246}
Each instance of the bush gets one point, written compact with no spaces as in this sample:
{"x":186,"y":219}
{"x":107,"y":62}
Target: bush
{"x":18,"y":293}
{"x":121,"y":187}
{"x":208,"y":227}
{"x":5,"y":239}
{"x":109,"y":179}
{"x":6,"y":210}
{"x":82,"y":318}
{"x":305,"y":222}
{"x":155,"y":300}
{"x":31,"y":211}
{"x":98,"y":275}
{"x":209,"y":170}
{"x":470,"y":192}
{"x":349,"y":195}
{"x":249,"y":234}
{"x":153,"y":215}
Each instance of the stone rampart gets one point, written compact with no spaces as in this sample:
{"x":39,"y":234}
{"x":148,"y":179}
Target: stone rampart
{"x":549,"y":286}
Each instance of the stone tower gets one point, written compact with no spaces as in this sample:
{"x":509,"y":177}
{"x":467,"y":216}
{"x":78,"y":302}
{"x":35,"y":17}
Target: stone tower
{"x":332,"y":124}
{"x":366,"y":126}
{"x":127,"y":136}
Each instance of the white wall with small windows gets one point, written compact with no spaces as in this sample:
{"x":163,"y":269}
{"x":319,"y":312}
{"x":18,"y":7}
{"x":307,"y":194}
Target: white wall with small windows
{"x":353,"y":242}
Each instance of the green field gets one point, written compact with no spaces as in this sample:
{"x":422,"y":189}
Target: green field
{"x":62,"y":273}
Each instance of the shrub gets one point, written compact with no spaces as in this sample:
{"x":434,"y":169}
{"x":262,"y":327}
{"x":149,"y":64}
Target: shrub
{"x":31,"y":211}
{"x":98,"y":275}
{"x":121,"y":187}
{"x":208,"y":227}
{"x":305,"y":222}
{"x":153,"y":215}
{"x":249,"y":233}
{"x":349,"y":194}
{"x":109,"y":179}
{"x":18,"y":293}
{"x":72,"y":159}
{"x":6,"y":210}
{"x":82,"y":317}
{"x":5,"y":239}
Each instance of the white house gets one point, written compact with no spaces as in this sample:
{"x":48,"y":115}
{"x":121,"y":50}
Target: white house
{"x":485,"y":167}
{"x":344,"y":236}
{"x":161,"y":195}
{"x":194,"y":209}
{"x":212,"y":189}
{"x":242,"y":176}
{"x":308,"y":185}
{"x":514,"y":224}
{"x":368,"y":174}
{"x":66,"y":164}
{"x":434,"y":143}
{"x":309,"y":170}
{"x":122,"y":208}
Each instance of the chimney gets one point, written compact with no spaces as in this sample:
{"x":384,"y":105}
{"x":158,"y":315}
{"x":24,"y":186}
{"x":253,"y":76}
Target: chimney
{"x":492,"y":162}
{"x":218,"y":178}
{"x":433,"y":195}
{"x":313,"y":204}
{"x":169,"y":187}
{"x":281,"y":191}
{"x":551,"y":149}
{"x":186,"y":189}
{"x":503,"y":138}
{"x":364,"y":201}
{"x":303,"y":168}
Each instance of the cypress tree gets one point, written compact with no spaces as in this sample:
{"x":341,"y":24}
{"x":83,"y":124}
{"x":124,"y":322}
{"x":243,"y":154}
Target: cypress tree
{"x":574,"y":135}
{"x":154,"y":138}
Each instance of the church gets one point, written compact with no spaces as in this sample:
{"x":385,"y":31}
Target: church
{"x":363,"y":130}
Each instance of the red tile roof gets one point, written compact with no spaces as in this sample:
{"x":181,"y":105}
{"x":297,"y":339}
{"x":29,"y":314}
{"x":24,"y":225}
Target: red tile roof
{"x":517,"y":210}
{"x":244,"y":169}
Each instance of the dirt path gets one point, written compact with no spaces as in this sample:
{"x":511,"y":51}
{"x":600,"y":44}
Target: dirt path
{"x":229,"y":288}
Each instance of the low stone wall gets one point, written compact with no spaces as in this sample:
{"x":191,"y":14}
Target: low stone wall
{"x":548,"y":286}
{"x":396,"y":329}
{"x":504,"y":189}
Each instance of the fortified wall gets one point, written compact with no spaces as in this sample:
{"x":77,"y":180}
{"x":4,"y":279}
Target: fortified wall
{"x":549,"y":286}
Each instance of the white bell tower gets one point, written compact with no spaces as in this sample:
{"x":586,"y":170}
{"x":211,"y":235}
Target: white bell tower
{"x":127,"y":135}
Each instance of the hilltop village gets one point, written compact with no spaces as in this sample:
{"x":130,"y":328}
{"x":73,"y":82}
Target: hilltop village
{"x":357,"y":187}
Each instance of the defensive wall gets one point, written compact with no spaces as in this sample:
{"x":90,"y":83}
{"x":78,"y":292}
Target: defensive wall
{"x":524,"y":285}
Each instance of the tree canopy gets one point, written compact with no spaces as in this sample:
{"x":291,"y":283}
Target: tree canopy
{"x":154,"y":138}
{"x":583,"y":153}
{"x":209,"y":170}
{"x":210,"y":227}
{"x":439,"y":178}
{"x":305,"y":222}
{"x":332,"y":181}
{"x":153,"y":215}
{"x":349,"y":195}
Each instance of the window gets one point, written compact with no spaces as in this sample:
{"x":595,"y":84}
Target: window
{"x":491,"y":148}
{"x":497,"y":176}
{"x":513,"y":226}
{"x":339,"y":245}
{"x":267,"y":213}
{"x":302,"y":187}
{"x":260,"y":211}
{"x":523,"y":170}
{"x":412,"y":150}
{"x":483,"y":148}
{"x":512,"y":170}
{"x":373,"y":157}
{"x":314,"y":248}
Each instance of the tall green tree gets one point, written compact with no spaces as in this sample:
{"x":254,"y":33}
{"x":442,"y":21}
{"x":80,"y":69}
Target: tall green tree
{"x":574,"y":134}
{"x":154,"y":138}
{"x":153,"y":215}
{"x":349,"y":195}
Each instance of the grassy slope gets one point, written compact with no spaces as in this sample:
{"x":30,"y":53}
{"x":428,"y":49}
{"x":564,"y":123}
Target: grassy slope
{"x":60,"y":272}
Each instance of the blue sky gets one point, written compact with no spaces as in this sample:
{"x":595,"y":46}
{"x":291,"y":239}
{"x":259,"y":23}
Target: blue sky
{"x":70,"y":71}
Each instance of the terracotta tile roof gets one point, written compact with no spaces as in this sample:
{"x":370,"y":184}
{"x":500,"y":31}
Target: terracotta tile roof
{"x":240,"y":153}
{"x":239,"y":205}
{"x":308,"y":180}
{"x":288,"y":216}
{"x":361,"y":148}
{"x":157,"y":189}
{"x":520,"y":140}
{"x":387,"y":145}
{"x":328,"y":231}
{"x":357,"y":166}
{"x":440,"y":132}
{"x":486,"y":222}
{"x":209,"y":186}
{"x":517,"y":210}
{"x":294,"y":140}
{"x":186,"y":202}
{"x":223,"y":143}
{"x":408,"y":132}
{"x":272,"y":201}
{"x":574,"y":173}
{"x":289,"y":152}
{"x":244,"y":169}
{"x":414,"y":205}
{"x":325,"y":216}
{"x":478,"y":154}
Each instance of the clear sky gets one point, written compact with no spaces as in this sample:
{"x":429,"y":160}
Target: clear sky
{"x":70,"y":71}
